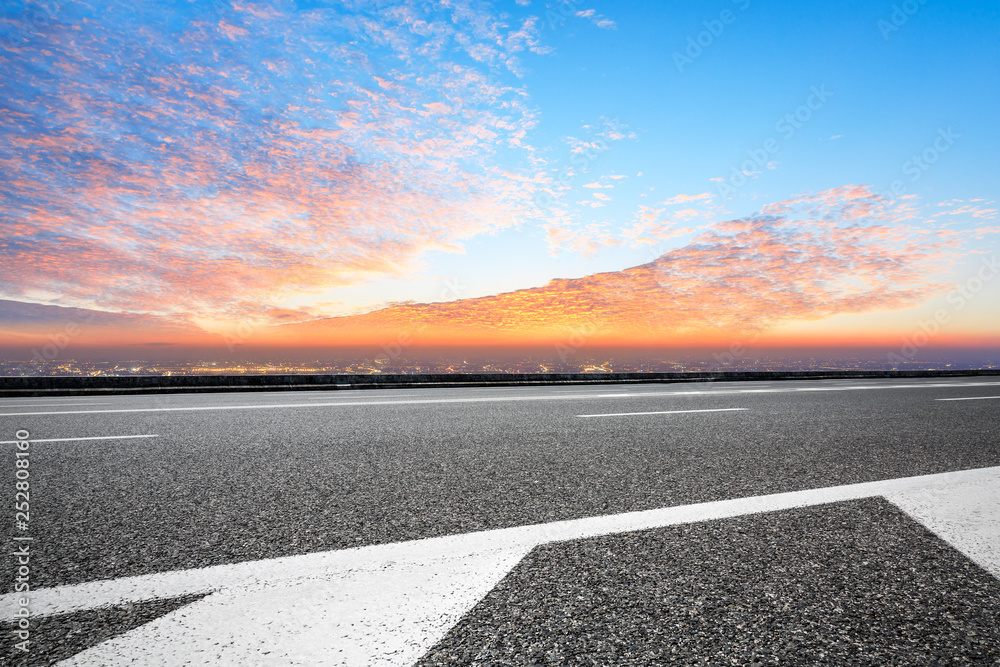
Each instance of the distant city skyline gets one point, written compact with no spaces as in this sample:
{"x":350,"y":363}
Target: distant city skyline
{"x":567,"y":362}
{"x":288,"y":179}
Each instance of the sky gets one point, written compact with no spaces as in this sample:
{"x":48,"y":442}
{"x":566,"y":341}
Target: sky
{"x":456,"y":172}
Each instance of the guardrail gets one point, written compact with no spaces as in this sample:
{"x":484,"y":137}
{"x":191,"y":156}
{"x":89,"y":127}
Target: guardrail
{"x":140,"y":384}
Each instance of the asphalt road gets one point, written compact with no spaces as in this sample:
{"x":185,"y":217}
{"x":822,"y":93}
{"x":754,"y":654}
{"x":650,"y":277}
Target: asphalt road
{"x":855,"y":583}
{"x":226,"y":478}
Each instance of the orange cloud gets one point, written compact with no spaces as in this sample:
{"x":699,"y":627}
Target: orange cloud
{"x":802,"y":259}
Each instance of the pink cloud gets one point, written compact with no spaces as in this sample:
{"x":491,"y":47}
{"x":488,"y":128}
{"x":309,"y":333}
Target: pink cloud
{"x":172,"y":201}
{"x":808,"y":262}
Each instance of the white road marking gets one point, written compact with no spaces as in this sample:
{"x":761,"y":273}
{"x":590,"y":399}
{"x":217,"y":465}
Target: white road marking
{"x":387,"y":604}
{"x":48,"y":405}
{"x":485,"y":399}
{"x":968,"y":398}
{"x":663,"y":412}
{"x":389,"y":614}
{"x":96,"y":437}
{"x":964,"y":513}
{"x":363,"y":395}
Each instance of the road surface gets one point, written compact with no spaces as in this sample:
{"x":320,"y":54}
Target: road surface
{"x":845,"y":520}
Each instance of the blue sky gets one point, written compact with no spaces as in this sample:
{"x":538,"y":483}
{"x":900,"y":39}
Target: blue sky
{"x":892,"y":89}
{"x":285,"y":161}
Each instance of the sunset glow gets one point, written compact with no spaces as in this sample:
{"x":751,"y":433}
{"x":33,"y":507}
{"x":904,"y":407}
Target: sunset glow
{"x":224,"y":177}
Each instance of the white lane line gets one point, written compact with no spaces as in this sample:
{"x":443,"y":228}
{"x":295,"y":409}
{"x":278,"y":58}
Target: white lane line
{"x":47,"y":405}
{"x":96,"y":437}
{"x":664,"y":412}
{"x":968,"y":398}
{"x":485,"y":399}
{"x":362,"y":395}
{"x":387,"y":604}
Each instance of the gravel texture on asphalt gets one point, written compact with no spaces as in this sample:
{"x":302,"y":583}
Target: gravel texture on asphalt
{"x":241,"y":485}
{"x":856,"y":583}
{"x":56,"y":638}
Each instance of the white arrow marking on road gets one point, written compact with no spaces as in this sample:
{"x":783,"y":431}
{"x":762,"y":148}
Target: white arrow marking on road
{"x":386,"y":614}
{"x":964,"y":512}
{"x":387,"y":604}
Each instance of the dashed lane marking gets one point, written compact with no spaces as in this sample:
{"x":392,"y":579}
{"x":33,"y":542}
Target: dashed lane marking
{"x":95,"y":437}
{"x":664,"y":412}
{"x":968,"y":398}
{"x":484,"y":399}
